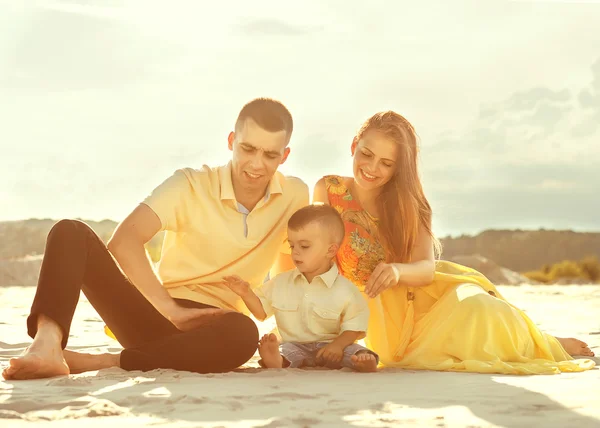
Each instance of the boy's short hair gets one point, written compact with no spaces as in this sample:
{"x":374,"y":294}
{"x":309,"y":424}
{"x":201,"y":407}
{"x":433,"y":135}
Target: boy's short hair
{"x":329,"y":218}
{"x":269,"y":114}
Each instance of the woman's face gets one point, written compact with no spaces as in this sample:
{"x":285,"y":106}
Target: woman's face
{"x":375,"y":159}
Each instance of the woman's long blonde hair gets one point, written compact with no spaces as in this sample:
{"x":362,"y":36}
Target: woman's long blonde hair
{"x":402,"y":206}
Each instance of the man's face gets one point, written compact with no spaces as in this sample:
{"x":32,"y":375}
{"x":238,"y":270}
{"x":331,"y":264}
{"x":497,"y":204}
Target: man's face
{"x":257,"y":154}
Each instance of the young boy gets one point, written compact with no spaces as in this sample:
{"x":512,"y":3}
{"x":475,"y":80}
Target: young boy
{"x":319,"y":313}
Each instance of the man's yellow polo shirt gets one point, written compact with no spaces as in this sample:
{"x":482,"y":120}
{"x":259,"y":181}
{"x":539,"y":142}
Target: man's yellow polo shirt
{"x":208,"y":236}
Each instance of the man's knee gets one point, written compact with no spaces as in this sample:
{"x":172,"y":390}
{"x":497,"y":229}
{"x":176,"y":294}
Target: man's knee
{"x":68,"y":227}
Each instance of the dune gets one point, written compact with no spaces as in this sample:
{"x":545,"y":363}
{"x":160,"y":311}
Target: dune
{"x":305,"y":398}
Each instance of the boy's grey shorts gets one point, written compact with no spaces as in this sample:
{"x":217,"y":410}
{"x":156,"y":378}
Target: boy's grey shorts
{"x":303,"y":354}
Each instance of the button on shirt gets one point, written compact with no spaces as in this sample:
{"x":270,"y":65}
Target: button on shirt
{"x":245,"y":211}
{"x":314,"y":312}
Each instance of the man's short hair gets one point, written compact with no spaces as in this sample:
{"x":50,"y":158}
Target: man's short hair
{"x":328,"y":217}
{"x":269,"y":114}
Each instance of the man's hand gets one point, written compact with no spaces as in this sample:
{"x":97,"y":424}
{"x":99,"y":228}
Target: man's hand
{"x":331,"y":353}
{"x":384,"y":276}
{"x":186,"y":319}
{"x":237,"y":285}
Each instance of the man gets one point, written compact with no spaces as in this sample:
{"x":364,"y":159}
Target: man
{"x":217,"y":222}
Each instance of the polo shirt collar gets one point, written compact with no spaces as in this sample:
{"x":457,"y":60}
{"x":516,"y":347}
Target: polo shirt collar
{"x":227,"y":185}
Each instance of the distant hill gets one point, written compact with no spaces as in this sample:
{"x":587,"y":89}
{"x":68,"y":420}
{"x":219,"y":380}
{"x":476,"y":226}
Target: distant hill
{"x":22,"y":245}
{"x":525,"y":250}
{"x":518,"y":250}
{"x":28,"y":237}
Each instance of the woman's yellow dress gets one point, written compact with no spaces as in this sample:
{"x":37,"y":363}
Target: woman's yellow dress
{"x":460,"y":322}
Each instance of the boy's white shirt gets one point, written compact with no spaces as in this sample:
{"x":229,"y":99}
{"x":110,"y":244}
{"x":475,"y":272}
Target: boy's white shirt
{"x":315,"y":312}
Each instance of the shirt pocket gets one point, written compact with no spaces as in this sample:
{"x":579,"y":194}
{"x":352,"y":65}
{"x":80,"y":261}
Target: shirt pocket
{"x":287,"y":315}
{"x":324,"y":321}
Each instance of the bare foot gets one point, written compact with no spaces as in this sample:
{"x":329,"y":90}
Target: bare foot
{"x":42,"y":359}
{"x":575,"y":347}
{"x":364,"y":362}
{"x":268,"y":348}
{"x":79,"y":362}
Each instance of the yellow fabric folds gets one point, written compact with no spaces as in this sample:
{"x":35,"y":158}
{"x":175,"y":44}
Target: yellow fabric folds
{"x":462,"y":323}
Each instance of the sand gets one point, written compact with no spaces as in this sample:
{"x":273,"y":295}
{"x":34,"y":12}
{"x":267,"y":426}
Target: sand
{"x":306,"y":398}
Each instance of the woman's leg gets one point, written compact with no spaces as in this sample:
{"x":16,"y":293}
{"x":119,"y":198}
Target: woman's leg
{"x":575,"y":347}
{"x":469,"y":329}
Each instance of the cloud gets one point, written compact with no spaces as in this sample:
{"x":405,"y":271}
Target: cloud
{"x":536,"y":126}
{"x":526,"y":100}
{"x":589,"y":100}
{"x":63,"y":51}
{"x":529,"y":160}
{"x":276,"y":27}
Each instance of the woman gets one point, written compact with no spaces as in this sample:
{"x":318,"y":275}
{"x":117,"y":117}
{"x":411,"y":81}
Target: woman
{"x":426,"y":315}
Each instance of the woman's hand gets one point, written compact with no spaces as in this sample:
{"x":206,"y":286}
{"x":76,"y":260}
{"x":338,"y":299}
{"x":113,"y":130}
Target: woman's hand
{"x":384,"y":276}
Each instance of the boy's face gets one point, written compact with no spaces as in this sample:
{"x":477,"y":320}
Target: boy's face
{"x":311,"y":247}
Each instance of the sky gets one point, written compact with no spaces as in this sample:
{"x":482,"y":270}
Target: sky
{"x":100,"y":101}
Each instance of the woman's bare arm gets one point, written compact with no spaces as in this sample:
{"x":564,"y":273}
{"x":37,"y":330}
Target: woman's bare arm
{"x":320,"y":192}
{"x":420,"y":271}
{"x":417,"y":273}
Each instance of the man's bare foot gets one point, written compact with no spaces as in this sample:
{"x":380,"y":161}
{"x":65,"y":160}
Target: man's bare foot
{"x":79,"y":362}
{"x":575,"y":347}
{"x":364,"y":362}
{"x":268,"y":348}
{"x":42,"y":359}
